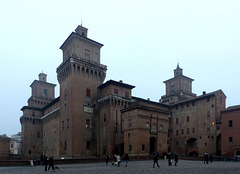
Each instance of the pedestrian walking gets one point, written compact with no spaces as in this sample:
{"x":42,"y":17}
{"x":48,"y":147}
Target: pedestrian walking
{"x":46,"y":162}
{"x":169,"y":159}
{"x":176,"y":159}
{"x":41,"y":159}
{"x":126,"y":159}
{"x":118,"y":160}
{"x":206,"y":158}
{"x":51,"y":163}
{"x":155,"y":160}
{"x":106,"y":158}
{"x":114,"y":162}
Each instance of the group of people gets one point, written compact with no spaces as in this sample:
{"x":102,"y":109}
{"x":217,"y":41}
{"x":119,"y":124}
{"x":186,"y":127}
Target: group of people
{"x":170,"y":156}
{"x":47,"y":162}
{"x":117,"y":159}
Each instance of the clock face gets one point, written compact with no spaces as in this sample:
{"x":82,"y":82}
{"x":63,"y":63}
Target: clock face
{"x":147,"y":125}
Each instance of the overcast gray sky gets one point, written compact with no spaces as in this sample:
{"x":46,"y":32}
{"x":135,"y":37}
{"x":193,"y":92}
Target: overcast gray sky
{"x":143,"y":42}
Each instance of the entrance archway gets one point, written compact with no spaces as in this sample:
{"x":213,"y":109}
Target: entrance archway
{"x":153,"y":143}
{"x":192,"y":147}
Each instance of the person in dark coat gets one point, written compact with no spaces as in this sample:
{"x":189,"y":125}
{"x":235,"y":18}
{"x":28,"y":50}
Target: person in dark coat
{"x":169,"y":159}
{"x":206,"y":158}
{"x":155,"y":160}
{"x":41,"y":159}
{"x":106,"y":158}
{"x":126,"y":159}
{"x":46,"y":162}
{"x":176,"y":159}
{"x":51,"y":163}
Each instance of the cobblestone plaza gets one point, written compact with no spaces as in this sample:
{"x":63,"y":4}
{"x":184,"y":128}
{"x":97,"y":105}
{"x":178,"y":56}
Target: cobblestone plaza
{"x":184,"y":166}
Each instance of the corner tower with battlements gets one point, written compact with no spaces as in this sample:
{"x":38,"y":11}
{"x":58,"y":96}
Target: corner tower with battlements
{"x":43,"y":93}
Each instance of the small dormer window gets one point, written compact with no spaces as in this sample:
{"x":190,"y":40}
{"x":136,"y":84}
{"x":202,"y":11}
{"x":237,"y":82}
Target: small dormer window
{"x":83,"y":34}
{"x":45,"y":92}
{"x":115,"y":91}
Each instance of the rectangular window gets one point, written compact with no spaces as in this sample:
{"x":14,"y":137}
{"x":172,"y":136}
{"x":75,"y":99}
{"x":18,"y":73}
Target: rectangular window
{"x":87,"y":123}
{"x":187,"y":118}
{"x":130,"y":122}
{"x":115,"y":91}
{"x":193,"y":103}
{"x":143,"y":147}
{"x":87,"y":53}
{"x":187,"y":130}
{"x":230,"y":124}
{"x":88,"y":145}
{"x":193,"y":130}
{"x":182,"y":131}
{"x":127,"y":94}
{"x":45,"y":92}
{"x":129,"y":135}
{"x":65,"y":145}
{"x":65,"y":94}
{"x":130,"y":147}
{"x":104,"y":118}
{"x":176,"y":120}
{"x":11,"y":145}
{"x":208,"y":114}
{"x":88,"y":92}
{"x":177,"y":132}
{"x":62,"y":125}
{"x":38,"y":134}
{"x":33,"y":113}
{"x":67,"y":123}
{"x":230,"y":139}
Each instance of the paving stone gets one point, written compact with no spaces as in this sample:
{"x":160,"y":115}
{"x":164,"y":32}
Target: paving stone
{"x":184,"y":167}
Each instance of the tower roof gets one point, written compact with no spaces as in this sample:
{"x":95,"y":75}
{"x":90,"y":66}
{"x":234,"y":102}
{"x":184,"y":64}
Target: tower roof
{"x":112,"y":82}
{"x":79,"y":34}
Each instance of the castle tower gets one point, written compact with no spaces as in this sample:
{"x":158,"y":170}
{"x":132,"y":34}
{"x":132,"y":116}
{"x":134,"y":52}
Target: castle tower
{"x":79,"y":75}
{"x":43,"y":93}
{"x":178,"y":88}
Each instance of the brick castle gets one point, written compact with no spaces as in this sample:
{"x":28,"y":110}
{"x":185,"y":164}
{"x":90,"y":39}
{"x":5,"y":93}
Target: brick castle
{"x":92,"y":118}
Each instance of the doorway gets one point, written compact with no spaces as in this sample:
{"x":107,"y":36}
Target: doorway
{"x":153,"y":143}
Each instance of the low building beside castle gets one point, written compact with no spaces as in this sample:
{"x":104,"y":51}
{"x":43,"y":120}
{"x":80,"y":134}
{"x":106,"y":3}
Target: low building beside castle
{"x":4,"y":147}
{"x":230,"y":136}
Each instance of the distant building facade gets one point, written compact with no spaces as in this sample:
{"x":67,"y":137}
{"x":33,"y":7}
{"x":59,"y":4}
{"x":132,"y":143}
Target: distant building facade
{"x":93,"y":118}
{"x":16,"y":144}
{"x":230,"y":131}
